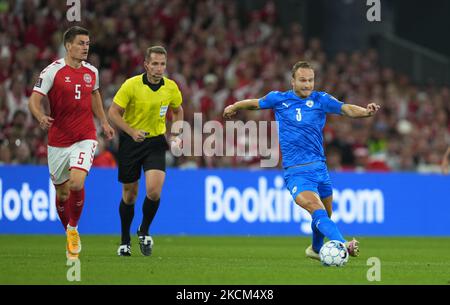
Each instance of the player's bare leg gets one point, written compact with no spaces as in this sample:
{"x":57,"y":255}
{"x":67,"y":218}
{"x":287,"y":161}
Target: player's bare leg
{"x":76,"y":185}
{"x":328,"y":204}
{"x":154,"y":180}
{"x":126,"y":211}
{"x":310,"y":201}
{"x":130,"y":192}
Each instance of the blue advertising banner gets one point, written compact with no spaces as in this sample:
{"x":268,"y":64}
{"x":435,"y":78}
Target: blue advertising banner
{"x":233,"y":202}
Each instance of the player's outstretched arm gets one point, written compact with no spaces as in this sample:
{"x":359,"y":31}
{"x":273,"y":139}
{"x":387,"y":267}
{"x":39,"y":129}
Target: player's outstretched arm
{"x":97,"y":108}
{"x":354,"y":111}
{"x":250,"y":104}
{"x":34,"y":104}
{"x":444,"y":164}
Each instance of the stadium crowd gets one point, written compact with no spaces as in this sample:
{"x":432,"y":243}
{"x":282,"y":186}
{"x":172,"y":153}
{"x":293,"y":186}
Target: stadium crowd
{"x":218,"y":56}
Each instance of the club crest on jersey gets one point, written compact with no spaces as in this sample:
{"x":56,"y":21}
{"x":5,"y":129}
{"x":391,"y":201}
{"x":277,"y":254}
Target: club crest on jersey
{"x":87,"y":78}
{"x":309,"y":103}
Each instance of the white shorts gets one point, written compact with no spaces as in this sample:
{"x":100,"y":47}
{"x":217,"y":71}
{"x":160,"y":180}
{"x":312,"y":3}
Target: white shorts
{"x":62,"y":159}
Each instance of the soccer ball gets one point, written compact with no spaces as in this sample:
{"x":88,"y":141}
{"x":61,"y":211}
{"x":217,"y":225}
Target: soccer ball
{"x":333,"y":253}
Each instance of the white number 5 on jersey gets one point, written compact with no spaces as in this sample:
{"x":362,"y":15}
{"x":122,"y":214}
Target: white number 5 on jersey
{"x":77,"y":92}
{"x":299,"y":114}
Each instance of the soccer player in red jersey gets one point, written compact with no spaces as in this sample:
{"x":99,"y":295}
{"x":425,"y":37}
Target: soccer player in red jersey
{"x":71,"y":86}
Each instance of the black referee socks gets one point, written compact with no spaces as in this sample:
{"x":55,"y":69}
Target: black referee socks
{"x":126,"y":212}
{"x":149,"y":210}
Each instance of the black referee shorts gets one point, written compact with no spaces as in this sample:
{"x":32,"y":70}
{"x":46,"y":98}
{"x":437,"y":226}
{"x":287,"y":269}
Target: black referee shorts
{"x":134,"y":156}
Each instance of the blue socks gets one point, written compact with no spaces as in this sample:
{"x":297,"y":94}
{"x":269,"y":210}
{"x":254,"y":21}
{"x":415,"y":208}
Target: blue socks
{"x":317,"y":238}
{"x":322,"y":226}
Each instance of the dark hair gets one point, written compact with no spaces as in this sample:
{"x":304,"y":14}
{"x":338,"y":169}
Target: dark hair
{"x":155,"y":49}
{"x":72,"y":32}
{"x":301,"y":65}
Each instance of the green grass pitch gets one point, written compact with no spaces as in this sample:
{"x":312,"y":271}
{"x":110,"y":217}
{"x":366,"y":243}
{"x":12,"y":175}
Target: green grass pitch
{"x":184,"y":260}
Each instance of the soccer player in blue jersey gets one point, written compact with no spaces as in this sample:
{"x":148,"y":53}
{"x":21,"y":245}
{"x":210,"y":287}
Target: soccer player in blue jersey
{"x":301,"y":115}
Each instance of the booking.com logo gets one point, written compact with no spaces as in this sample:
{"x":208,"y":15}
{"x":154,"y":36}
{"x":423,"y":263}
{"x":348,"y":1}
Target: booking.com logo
{"x":273,"y":204}
{"x":235,"y":138}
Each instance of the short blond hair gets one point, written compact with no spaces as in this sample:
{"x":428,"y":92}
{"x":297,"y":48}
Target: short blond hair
{"x":155,"y":49}
{"x":301,"y":65}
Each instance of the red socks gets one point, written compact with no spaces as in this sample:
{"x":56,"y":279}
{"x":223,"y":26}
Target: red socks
{"x":62,"y":207}
{"x":76,"y":203}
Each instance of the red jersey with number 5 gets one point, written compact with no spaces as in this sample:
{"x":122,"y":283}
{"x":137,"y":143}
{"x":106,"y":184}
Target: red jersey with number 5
{"x":69,"y":92}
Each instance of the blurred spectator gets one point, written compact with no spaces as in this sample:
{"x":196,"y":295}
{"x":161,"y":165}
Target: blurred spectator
{"x":103,"y":157}
{"x":16,"y":99}
{"x":334,"y":158}
{"x":5,"y":154}
{"x":17,"y":129}
{"x":22,"y":154}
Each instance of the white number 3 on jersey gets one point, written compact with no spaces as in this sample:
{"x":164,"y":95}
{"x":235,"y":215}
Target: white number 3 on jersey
{"x":299,"y":114}
{"x":77,"y":92}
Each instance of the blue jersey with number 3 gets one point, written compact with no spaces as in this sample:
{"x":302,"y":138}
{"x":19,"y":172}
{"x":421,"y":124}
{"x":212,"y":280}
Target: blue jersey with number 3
{"x":300,"y":123}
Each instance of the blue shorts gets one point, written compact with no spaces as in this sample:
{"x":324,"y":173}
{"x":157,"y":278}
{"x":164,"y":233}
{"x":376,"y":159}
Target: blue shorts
{"x":312,"y":177}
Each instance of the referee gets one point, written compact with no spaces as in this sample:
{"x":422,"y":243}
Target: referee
{"x":139,"y":110}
